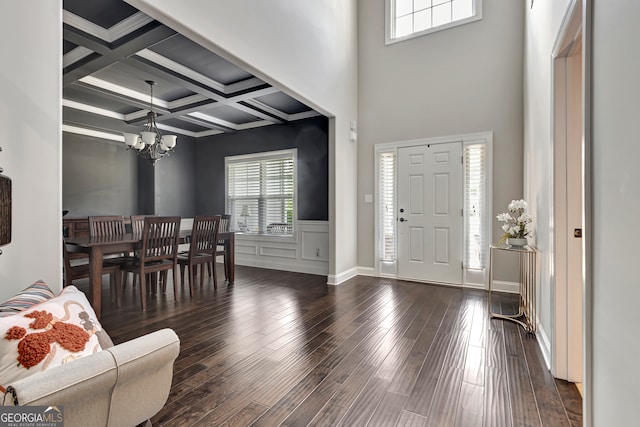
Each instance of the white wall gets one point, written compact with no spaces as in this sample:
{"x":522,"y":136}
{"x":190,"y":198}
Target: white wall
{"x":467,"y":79}
{"x":30,"y":136}
{"x":542,"y":24}
{"x":616,"y":203}
{"x":308,"y":49}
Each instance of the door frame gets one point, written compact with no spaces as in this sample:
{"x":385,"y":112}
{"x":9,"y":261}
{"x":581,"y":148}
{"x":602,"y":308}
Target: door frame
{"x":389,"y":269}
{"x":575,"y":25}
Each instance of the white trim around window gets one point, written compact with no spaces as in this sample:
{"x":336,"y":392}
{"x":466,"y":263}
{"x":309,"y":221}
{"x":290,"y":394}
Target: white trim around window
{"x":261,"y":193}
{"x":406,"y":19}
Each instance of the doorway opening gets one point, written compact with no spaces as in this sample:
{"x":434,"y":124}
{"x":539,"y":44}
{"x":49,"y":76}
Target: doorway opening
{"x":569,"y":199}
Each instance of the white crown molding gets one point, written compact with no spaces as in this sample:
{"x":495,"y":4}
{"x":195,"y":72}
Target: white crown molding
{"x":90,"y":132}
{"x":85,"y":26}
{"x":75,"y":55}
{"x":128,"y":26}
{"x":111,"y":87}
{"x":268,"y":109}
{"x":303,"y":115}
{"x":116,"y":32}
{"x":186,"y":101}
{"x":214,"y":120}
{"x":91,"y":109}
{"x":243,"y":85}
{"x":173,"y":129}
{"x":208,"y":133}
{"x":252,"y":125}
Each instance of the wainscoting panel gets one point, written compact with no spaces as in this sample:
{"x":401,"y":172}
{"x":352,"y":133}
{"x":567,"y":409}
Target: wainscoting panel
{"x":305,"y":252}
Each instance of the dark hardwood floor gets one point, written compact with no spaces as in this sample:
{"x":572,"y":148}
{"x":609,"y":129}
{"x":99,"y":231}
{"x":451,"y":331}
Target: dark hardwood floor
{"x":279,"y":348}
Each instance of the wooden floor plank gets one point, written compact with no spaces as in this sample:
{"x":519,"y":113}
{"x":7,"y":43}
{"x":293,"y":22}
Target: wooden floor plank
{"x":280,"y":348}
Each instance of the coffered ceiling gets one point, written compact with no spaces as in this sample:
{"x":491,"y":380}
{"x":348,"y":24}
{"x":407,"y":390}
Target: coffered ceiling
{"x":110,"y":49}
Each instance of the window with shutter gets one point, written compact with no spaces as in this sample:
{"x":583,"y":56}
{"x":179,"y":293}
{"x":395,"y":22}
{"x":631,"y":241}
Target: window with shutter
{"x":260,"y":192}
{"x":475,"y":206}
{"x":387,"y":206}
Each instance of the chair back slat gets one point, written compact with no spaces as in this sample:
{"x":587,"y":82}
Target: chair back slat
{"x":137,"y":224}
{"x":225,"y":221}
{"x":204,"y":235}
{"x":160,"y":238}
{"x":106,"y":225}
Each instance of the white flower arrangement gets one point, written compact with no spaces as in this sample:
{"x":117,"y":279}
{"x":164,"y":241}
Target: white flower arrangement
{"x":517,"y":224}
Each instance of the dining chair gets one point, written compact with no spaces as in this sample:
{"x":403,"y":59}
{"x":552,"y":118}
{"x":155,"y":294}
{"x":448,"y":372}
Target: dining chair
{"x":158,"y":252}
{"x":137,"y":225}
{"x":225,"y":223}
{"x":202,"y":249}
{"x":81,"y":271}
{"x":106,"y":225}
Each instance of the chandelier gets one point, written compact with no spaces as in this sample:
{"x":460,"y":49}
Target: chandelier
{"x":150,"y":144}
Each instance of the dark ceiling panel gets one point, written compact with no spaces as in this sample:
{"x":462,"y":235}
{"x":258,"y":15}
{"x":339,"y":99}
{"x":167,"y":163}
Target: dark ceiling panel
{"x":181,"y":124}
{"x":96,"y":99}
{"x":105,"y":13}
{"x":183,"y":51}
{"x":67,"y":46}
{"x":230,"y":114}
{"x":283,"y":102}
{"x":123,"y":67}
{"x":134,"y":79}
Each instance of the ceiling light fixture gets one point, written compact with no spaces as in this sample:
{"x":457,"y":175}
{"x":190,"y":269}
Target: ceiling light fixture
{"x":150,"y":144}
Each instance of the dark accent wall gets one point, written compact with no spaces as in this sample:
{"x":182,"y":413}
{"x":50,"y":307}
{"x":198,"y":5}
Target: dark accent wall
{"x":102,"y":177}
{"x":99,"y":177}
{"x":309,"y":136}
{"x":175,"y":182}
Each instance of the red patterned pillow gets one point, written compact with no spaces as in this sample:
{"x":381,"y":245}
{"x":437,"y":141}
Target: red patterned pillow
{"x":57,"y":331}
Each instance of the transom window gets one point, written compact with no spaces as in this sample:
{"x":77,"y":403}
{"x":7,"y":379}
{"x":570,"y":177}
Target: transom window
{"x":261,"y":192}
{"x":412,"y":18}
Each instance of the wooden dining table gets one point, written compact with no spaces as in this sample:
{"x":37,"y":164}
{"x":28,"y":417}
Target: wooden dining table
{"x":99,"y":246}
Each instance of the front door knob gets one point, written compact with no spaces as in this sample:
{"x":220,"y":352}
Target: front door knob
{"x":403,"y":220}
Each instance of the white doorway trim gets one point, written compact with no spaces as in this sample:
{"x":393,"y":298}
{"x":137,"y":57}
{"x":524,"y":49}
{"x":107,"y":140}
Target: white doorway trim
{"x":573,"y":39}
{"x":470,"y":279}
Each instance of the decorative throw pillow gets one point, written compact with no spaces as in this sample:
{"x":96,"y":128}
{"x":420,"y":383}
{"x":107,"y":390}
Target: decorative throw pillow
{"x":30,"y":296}
{"x":57,"y":331}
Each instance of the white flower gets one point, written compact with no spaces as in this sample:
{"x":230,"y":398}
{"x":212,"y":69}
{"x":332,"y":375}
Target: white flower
{"x":516,"y":205}
{"x":524,"y":219}
{"x":504,"y":217}
{"x":517,"y":223}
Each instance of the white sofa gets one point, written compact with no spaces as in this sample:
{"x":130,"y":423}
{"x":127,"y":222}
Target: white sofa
{"x":123,"y":385}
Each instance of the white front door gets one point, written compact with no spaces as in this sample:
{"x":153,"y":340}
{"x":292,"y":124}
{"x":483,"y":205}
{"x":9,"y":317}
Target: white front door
{"x":430,"y":212}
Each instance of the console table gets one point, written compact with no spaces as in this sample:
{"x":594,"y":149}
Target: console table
{"x":527,"y":256}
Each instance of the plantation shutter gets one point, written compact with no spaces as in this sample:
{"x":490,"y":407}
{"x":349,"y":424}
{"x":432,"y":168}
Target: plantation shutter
{"x":260,"y":193}
{"x":474,"y":206}
{"x":387,"y":206}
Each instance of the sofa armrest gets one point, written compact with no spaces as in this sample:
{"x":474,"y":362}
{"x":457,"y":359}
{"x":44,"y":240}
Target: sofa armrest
{"x":123,"y":385}
{"x":83,"y":387}
{"x":145,"y":371}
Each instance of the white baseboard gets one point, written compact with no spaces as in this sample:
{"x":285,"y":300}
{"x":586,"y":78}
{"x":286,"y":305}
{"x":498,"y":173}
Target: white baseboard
{"x":367,"y":271}
{"x":544,"y":344}
{"x":503,"y":286}
{"x":296,"y":266}
{"x":336,"y":279}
